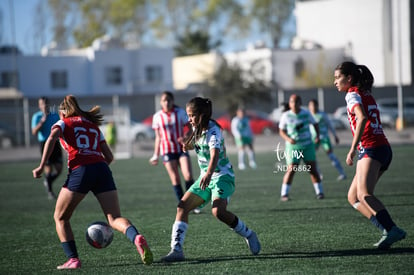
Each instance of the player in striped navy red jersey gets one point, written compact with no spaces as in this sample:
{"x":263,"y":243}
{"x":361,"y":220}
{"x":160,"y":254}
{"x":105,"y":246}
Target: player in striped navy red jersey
{"x":169,"y":125}
{"x":89,"y":157}
{"x":374,"y":151}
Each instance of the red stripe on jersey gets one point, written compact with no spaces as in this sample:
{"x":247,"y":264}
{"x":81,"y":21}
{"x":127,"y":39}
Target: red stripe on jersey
{"x":373,"y":135}
{"x":163,"y":131}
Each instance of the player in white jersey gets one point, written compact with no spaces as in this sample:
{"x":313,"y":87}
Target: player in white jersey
{"x":325,"y":126}
{"x":243,"y":137}
{"x":169,"y":124}
{"x":215,"y":183}
{"x":294,"y":129}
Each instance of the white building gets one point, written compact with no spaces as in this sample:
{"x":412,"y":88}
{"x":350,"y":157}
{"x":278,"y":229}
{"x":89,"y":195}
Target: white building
{"x":376,"y":33}
{"x":292,"y":69}
{"x":90,"y":72}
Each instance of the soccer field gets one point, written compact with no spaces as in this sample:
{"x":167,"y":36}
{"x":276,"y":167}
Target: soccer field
{"x":302,"y":236}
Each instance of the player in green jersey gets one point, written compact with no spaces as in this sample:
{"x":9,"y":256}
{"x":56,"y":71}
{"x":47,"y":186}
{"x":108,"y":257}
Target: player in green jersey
{"x":325,"y":127}
{"x":215,"y":183}
{"x":294,"y":129}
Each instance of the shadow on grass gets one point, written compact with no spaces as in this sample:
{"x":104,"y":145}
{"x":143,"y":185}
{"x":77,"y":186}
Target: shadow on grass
{"x":302,"y":255}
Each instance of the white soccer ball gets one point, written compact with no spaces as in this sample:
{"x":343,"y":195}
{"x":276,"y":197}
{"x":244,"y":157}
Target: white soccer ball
{"x":99,"y":234}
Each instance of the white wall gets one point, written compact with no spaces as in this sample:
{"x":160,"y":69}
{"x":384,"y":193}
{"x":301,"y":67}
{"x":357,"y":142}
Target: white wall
{"x":364,"y":24}
{"x":35,"y":75}
{"x":86,"y":71}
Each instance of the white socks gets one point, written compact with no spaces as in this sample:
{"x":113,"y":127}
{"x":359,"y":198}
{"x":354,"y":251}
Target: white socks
{"x":178,"y":234}
{"x":318,"y":188}
{"x":285,"y":189}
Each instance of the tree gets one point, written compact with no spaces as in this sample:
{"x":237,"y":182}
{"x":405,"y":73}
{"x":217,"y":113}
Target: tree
{"x":272,"y":17}
{"x":85,"y":20}
{"x":193,"y":43}
{"x":230,"y":86}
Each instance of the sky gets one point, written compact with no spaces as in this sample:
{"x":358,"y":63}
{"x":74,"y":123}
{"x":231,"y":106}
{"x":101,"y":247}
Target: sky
{"x":23,"y":29}
{"x":23,"y":21}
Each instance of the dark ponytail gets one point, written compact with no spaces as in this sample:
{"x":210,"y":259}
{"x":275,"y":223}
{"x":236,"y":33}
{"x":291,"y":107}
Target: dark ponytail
{"x":360,"y":74}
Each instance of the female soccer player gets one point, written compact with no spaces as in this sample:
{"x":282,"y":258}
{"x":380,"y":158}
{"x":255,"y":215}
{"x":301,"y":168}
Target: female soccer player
{"x":325,"y":126}
{"x":88,"y":160}
{"x":294,"y":129}
{"x":168,"y":124}
{"x":243,"y":137}
{"x":216,"y":181}
{"x":374,"y":151}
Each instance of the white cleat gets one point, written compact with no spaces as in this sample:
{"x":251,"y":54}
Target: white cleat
{"x":173,"y":256}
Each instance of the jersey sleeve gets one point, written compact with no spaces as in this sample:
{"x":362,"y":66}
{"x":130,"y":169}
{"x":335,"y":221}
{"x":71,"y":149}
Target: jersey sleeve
{"x":59,"y":124}
{"x":35,"y":119}
{"x":214,"y":138}
{"x":155,"y":121}
{"x":283,"y":121}
{"x":352,"y":100}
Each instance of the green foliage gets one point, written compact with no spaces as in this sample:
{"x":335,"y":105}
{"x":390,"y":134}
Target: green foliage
{"x":231,"y":86}
{"x":272,"y":17}
{"x":303,"y":236}
{"x":171,"y":21}
{"x":193,"y":43}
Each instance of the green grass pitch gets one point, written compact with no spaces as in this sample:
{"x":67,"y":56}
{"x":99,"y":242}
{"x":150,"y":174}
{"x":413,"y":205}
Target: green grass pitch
{"x":302,"y":236}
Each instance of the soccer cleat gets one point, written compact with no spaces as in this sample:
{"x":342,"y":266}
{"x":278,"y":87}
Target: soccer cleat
{"x":51,"y":195}
{"x":173,"y":256}
{"x":284,"y":198}
{"x":341,"y":177}
{"x":197,"y":210}
{"x":394,"y":235}
{"x":72,"y":263}
{"x":242,"y":166}
{"x":253,"y":164}
{"x":384,"y":236}
{"x":143,"y":249}
{"x":253,"y":243}
{"x":320,"y":196}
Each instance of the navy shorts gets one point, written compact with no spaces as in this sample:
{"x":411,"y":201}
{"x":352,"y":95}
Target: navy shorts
{"x":383,"y":154}
{"x":96,"y":177}
{"x":56,"y":156}
{"x":174,"y":156}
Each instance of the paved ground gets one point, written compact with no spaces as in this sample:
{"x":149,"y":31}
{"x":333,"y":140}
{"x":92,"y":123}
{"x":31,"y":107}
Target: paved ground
{"x":262,"y":144}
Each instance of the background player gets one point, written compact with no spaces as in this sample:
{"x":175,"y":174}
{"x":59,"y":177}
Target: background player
{"x":42,"y":122}
{"x":243,"y":137}
{"x":294,"y":129}
{"x":168,"y":124}
{"x":325,"y":126}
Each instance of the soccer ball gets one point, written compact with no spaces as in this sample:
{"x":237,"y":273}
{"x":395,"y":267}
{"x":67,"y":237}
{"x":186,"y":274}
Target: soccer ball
{"x":99,"y":234}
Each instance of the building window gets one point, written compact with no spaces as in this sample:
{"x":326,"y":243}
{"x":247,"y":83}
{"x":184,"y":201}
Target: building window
{"x":9,"y":80}
{"x":153,"y":74}
{"x":299,"y":67}
{"x":59,"y":79}
{"x":113,"y":75}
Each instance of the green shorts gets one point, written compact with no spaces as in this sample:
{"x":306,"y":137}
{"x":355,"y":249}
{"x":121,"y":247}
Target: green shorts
{"x":220,"y":187}
{"x":325,"y":143}
{"x":295,"y":154}
{"x":241,"y":141}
